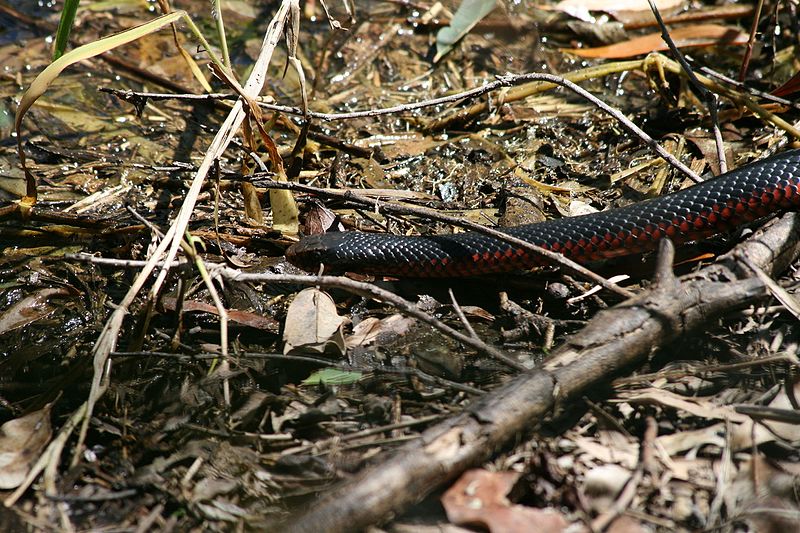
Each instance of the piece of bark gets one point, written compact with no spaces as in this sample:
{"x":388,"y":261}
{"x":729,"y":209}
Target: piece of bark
{"x":616,"y":339}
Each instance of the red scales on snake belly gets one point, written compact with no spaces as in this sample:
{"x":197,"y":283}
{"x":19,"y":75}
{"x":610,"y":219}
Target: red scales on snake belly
{"x":715,"y":206}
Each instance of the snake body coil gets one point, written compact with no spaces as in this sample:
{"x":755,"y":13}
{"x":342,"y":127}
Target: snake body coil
{"x":714,"y":206}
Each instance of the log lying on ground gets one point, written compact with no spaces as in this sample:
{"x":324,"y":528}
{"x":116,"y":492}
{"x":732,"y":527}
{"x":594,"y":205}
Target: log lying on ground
{"x":617,"y":338}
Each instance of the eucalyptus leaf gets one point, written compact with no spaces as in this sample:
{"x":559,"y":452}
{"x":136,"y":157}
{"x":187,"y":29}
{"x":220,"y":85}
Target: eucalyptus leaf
{"x":469,"y":13}
{"x":332,"y":376}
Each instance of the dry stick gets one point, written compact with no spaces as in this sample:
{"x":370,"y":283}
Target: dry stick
{"x":368,"y":290}
{"x":502,"y":82}
{"x":752,"y":90}
{"x":549,"y":257}
{"x":526,"y":90}
{"x":120,"y":263}
{"x":710,"y":98}
{"x":461,"y":315}
{"x":327,"y":117}
{"x":760,"y":413}
{"x":748,"y":53}
{"x":615,"y":340}
{"x":415,"y":372}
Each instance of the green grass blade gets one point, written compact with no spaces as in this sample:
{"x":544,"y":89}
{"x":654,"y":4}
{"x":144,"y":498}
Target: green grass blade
{"x":65,"y":27}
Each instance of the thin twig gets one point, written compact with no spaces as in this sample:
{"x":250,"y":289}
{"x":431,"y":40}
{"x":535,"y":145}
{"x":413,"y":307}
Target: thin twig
{"x":461,"y":315}
{"x":328,"y":117}
{"x":149,"y":225}
{"x":501,"y":82}
{"x":549,"y":257}
{"x":710,"y":98}
{"x":748,"y":52}
{"x":752,"y":90}
{"x":120,"y":263}
{"x":368,"y":290}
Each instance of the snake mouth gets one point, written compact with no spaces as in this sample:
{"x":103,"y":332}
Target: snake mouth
{"x":305,"y":254}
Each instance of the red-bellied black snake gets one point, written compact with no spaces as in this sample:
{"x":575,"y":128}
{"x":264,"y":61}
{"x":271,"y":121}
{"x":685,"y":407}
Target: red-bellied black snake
{"x":708,"y":208}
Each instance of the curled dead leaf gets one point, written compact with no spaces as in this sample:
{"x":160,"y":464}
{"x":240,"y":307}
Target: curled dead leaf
{"x":31,"y":308}
{"x":581,"y":9}
{"x":479,"y":498}
{"x":21,"y":441}
{"x":313,"y":325}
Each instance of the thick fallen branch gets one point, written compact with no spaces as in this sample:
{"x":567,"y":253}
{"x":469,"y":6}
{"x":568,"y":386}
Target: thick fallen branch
{"x":616,"y":339}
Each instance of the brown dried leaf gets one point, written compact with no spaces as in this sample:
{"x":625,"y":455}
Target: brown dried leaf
{"x":625,"y":454}
{"x":477,"y":312}
{"x":319,"y":219}
{"x":245,"y":318}
{"x":313,"y":325}
{"x":683,"y":37}
{"x":30,"y":309}
{"x":791,"y":86}
{"x":580,"y":8}
{"x":368,"y":330}
{"x":285,"y":214}
{"x":478,"y":498}
{"x":699,"y":407}
{"x":252,"y":204}
{"x":688,"y":440}
{"x":21,"y":441}
{"x":602,"y":485}
{"x":626,"y":524}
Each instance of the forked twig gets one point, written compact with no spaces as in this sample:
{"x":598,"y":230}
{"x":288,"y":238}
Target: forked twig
{"x":369,"y":290}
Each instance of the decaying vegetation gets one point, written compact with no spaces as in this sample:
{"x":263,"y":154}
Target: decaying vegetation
{"x":164,"y":368}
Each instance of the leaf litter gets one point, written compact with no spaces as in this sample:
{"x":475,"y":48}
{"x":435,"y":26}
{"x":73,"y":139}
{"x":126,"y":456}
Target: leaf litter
{"x":313,"y":384}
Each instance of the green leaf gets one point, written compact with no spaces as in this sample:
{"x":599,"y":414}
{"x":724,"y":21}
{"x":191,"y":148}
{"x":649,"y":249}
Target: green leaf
{"x":332,"y":376}
{"x":469,"y":13}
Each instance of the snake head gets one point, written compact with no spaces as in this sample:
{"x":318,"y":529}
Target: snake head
{"x":306,"y":254}
{"x":315,"y":250}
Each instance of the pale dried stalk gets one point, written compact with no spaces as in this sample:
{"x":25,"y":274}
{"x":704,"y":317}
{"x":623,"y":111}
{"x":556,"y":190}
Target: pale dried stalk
{"x":106,"y":343}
